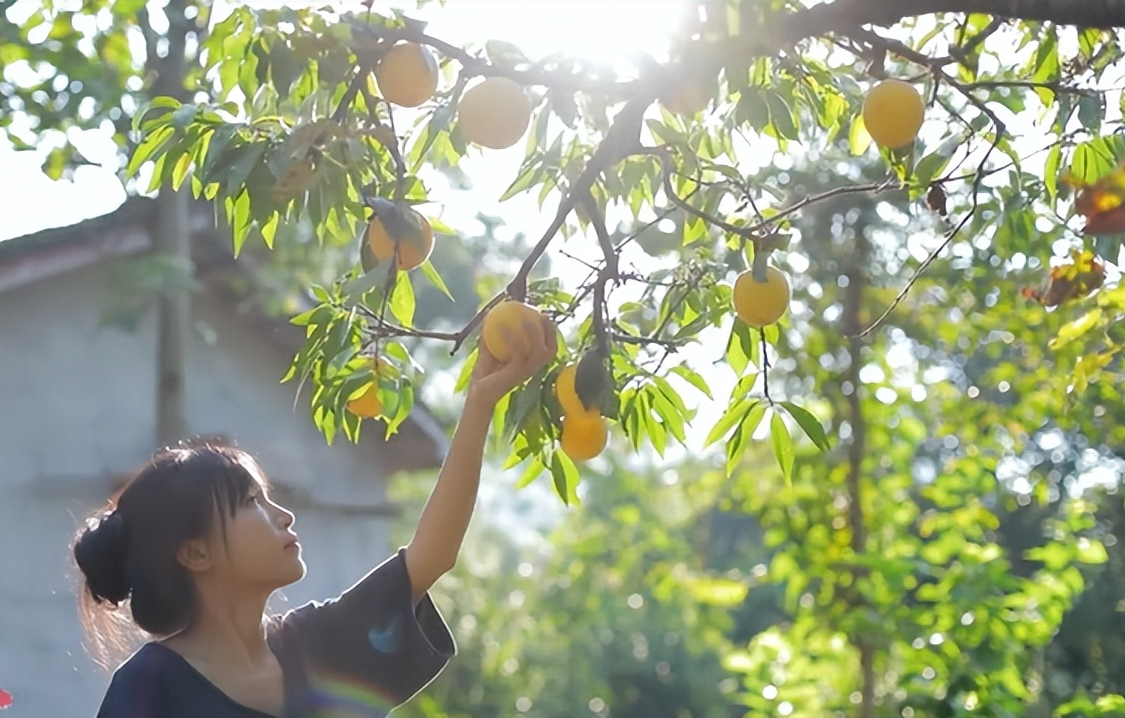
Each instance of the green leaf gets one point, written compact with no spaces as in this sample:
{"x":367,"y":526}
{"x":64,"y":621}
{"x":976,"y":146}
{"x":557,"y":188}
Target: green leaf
{"x":500,"y":52}
{"x":402,"y":303}
{"x":808,"y":423}
{"x":781,"y":117}
{"x":858,"y":139}
{"x":1075,"y":329}
{"x":740,"y":346}
{"x":1046,"y":64}
{"x":55,"y":163}
{"x":734,"y":414}
{"x":154,"y":112}
{"x":929,"y":167}
{"x":1051,"y":172}
{"x":1088,"y":551}
{"x":782,"y":446}
{"x":741,"y":438}
{"x":431,"y":273}
{"x":149,"y":148}
{"x":183,"y":116}
{"x":694,"y":378}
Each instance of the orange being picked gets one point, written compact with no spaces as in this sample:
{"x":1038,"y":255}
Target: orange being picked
{"x":584,"y":436}
{"x":410,"y":251}
{"x":510,"y":315}
{"x":761,"y":303}
{"x":494,"y":113}
{"x":407,"y":75}
{"x":893,"y":112}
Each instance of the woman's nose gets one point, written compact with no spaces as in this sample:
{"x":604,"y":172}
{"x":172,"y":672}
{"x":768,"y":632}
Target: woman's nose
{"x":287,"y":517}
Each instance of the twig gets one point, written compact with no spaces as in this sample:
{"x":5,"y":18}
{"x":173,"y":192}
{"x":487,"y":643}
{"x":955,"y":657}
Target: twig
{"x":669,"y":344}
{"x":765,"y":366}
{"x":870,"y":187}
{"x":666,"y":172}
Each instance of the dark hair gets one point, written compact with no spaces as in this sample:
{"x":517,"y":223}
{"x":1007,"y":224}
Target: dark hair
{"x":127,"y":549}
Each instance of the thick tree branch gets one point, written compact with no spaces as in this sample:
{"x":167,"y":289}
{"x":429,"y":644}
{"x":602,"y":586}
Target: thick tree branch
{"x":842,"y":16}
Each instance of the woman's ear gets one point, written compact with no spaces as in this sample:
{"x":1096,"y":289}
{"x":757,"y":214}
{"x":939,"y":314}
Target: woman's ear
{"x":194,"y":555}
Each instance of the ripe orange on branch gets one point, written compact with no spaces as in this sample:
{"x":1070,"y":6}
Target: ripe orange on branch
{"x":494,"y":113}
{"x":368,"y":404}
{"x":584,"y":436}
{"x":893,"y":112}
{"x":761,"y":303}
{"x":410,"y":250}
{"x":567,"y":393}
{"x":407,"y":75}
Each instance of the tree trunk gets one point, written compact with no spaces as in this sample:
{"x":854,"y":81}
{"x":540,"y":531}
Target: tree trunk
{"x":172,"y":237}
{"x":852,"y":325}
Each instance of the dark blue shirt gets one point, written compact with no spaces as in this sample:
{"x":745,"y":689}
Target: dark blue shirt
{"x":359,"y":654}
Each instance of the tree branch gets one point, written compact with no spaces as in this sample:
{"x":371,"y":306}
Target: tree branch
{"x":845,"y":15}
{"x":622,"y":140}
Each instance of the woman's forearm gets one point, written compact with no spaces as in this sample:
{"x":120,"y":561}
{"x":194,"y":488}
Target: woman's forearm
{"x":445,"y":517}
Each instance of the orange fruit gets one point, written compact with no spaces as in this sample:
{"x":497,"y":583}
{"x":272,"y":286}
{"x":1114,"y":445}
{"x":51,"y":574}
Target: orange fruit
{"x":494,"y":113}
{"x":411,"y":250}
{"x":510,"y":315}
{"x":368,"y":404}
{"x":583,"y":436}
{"x":407,"y":75}
{"x":567,"y":393}
{"x":893,"y":112}
{"x":761,"y":303}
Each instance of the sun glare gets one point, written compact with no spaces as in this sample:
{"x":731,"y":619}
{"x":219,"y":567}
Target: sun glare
{"x":603,"y":30}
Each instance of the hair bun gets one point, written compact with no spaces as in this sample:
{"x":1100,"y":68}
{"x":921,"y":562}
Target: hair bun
{"x":100,"y":554}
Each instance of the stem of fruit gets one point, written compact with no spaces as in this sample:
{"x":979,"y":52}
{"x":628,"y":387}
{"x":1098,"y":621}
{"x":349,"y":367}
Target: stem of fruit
{"x":761,"y":264}
{"x":765,"y":366}
{"x":609,"y":270}
{"x":400,"y":163}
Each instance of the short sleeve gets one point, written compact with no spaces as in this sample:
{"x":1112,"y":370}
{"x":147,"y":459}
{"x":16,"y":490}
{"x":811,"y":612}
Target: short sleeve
{"x":371,"y":644}
{"x":135,"y":690}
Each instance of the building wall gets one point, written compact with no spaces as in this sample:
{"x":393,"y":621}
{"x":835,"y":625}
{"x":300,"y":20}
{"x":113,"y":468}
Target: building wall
{"x":77,"y":412}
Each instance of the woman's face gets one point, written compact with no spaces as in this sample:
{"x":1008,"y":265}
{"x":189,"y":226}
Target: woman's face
{"x":260,"y":549}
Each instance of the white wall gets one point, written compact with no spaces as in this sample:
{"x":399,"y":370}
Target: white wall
{"x":77,"y":408}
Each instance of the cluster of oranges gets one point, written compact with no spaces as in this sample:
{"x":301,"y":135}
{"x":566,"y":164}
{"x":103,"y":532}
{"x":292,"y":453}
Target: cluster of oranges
{"x":494,"y":113}
{"x":584,"y":432}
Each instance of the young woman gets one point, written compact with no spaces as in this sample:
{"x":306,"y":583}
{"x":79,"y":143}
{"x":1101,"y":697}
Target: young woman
{"x":194,"y":546}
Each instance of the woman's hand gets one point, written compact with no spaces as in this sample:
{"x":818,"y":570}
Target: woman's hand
{"x":531,"y":350}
